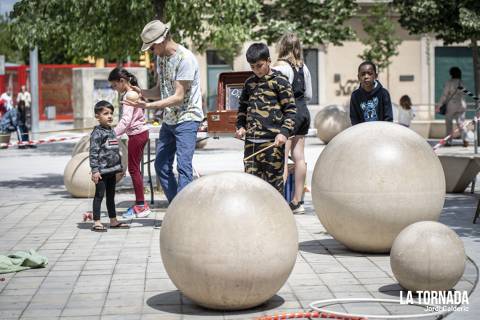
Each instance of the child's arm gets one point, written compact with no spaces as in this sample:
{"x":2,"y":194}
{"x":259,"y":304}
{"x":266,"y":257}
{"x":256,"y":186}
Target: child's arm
{"x":125,"y":121}
{"x":287,"y":103}
{"x":387,"y":107}
{"x":95,"y":145}
{"x":241,"y":124}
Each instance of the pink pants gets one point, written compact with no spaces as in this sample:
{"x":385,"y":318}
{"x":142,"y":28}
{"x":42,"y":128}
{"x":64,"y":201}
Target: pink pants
{"x":136,"y":143}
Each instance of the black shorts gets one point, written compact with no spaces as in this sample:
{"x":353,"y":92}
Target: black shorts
{"x":302,"y":121}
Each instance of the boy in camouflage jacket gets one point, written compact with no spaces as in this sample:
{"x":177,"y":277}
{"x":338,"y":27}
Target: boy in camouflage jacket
{"x":266,"y":115}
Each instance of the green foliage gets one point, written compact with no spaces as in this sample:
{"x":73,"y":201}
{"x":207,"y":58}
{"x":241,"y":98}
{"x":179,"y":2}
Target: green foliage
{"x":451,"y":21}
{"x":315,"y":21}
{"x":381,"y":41}
{"x":70,"y":30}
{"x":222,"y":24}
{"x":7,"y":45}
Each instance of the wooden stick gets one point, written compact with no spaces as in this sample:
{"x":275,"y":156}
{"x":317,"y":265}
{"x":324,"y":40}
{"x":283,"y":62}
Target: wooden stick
{"x":261,"y":150}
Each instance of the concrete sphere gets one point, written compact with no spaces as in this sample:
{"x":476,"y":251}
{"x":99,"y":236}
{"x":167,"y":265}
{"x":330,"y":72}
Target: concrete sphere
{"x":76,"y":176}
{"x":373,"y":180}
{"x":132,"y":96}
{"x":427,"y":255}
{"x":232,"y":248}
{"x":83,"y":145}
{"x":330,"y":121}
{"x":201,"y":144}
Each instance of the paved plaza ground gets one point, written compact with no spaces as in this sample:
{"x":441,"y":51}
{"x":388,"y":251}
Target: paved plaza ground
{"x":119,"y":274}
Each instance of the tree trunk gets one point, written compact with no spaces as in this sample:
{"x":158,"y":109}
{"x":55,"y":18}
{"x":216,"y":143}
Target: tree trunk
{"x":159,"y":9}
{"x":476,"y":68}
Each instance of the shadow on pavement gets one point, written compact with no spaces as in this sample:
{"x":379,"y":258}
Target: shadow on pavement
{"x":176,"y":302}
{"x":44,"y":181}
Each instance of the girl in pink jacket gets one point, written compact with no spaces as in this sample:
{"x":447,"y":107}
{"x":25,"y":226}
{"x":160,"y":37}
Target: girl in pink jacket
{"x":133,"y":124}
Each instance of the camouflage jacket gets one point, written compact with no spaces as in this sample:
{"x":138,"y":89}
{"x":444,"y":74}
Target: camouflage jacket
{"x":104,"y":151}
{"x":267,"y":107}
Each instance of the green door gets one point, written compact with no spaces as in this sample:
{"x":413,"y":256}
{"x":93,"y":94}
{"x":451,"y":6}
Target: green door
{"x":447,"y":57}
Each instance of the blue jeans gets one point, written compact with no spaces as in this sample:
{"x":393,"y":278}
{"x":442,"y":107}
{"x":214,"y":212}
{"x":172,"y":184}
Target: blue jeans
{"x":177,"y":139}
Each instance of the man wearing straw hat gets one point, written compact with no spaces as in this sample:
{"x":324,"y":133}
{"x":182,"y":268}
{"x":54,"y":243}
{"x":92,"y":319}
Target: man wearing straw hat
{"x":178,"y":94}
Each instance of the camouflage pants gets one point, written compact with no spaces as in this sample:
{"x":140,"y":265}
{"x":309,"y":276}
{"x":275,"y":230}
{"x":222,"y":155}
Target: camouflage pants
{"x":267,"y":165}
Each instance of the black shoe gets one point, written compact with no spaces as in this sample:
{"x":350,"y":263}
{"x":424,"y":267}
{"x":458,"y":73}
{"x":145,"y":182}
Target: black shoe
{"x":297,"y":208}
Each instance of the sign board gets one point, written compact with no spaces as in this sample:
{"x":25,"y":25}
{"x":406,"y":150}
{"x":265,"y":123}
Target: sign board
{"x":232,"y":97}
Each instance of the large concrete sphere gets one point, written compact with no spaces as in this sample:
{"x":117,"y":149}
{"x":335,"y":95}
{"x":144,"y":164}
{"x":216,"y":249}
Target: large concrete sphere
{"x":77,"y":177}
{"x":374,"y":179}
{"x":83,"y":145}
{"x":427,"y":255}
{"x":229,"y":241}
{"x":330,"y":121}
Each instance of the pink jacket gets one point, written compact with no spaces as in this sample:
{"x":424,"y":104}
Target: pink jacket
{"x":132,"y":122}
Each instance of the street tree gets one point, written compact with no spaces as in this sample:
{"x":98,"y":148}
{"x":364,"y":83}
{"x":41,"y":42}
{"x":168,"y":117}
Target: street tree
{"x":381,"y":42}
{"x":73,"y":29}
{"x":451,"y":21}
{"x":315,"y":21}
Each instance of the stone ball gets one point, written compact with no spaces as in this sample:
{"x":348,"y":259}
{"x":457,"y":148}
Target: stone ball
{"x":427,"y":255}
{"x":374,"y":179}
{"x":77,"y":177}
{"x":330,"y":121}
{"x":201,"y":143}
{"x":232,"y":248}
{"x":83,"y":145}
{"x":132,"y":96}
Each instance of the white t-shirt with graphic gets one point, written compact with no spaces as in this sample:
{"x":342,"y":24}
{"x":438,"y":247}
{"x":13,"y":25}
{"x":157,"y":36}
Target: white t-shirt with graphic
{"x":180,"y":66}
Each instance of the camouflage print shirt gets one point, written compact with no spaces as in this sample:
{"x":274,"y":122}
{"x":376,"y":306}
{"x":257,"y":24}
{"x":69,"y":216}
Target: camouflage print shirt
{"x":267,"y":107}
{"x":104,"y":151}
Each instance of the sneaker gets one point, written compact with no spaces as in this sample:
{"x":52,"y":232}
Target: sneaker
{"x":297,"y":208}
{"x":130,"y":213}
{"x":142,"y":211}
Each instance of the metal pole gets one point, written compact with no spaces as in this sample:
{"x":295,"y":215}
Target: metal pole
{"x":34,"y":90}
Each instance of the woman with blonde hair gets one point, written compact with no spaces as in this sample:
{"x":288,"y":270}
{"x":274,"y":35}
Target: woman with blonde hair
{"x":290,"y":63}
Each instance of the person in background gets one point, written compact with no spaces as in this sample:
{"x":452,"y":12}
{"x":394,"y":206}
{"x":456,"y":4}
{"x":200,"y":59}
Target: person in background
{"x":7,"y":98}
{"x":290,"y":63}
{"x":371,"y":101}
{"x":456,"y":105}
{"x":405,"y":111}
{"x":24,"y":101}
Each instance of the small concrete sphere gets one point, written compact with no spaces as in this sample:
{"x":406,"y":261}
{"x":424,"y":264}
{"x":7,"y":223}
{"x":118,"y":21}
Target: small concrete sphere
{"x":132,"y":96}
{"x":77,"y":178}
{"x":234,"y":246}
{"x":330,"y":121}
{"x":427,"y":255}
{"x":83,"y":145}
{"x":374,"y":179}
